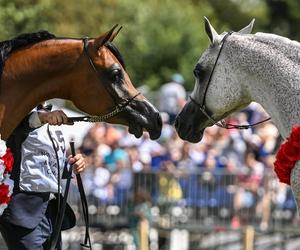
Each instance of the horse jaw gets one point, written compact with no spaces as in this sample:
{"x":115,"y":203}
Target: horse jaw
{"x":139,"y":116}
{"x":142,"y":115}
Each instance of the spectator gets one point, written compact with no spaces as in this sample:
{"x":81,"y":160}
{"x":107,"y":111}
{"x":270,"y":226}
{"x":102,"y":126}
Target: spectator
{"x":169,"y":188}
{"x":102,"y":188}
{"x":172,"y":97}
{"x":248,"y":184}
{"x":116,"y":153}
{"x":169,"y":167}
{"x":140,"y":216}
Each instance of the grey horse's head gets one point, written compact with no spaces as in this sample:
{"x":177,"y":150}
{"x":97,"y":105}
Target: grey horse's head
{"x":217,"y":90}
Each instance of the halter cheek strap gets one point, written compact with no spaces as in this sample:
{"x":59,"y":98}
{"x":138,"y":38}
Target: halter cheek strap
{"x":202,"y":97}
{"x":119,"y":106}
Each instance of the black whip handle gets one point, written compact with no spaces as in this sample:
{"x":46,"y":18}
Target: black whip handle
{"x":87,"y":240}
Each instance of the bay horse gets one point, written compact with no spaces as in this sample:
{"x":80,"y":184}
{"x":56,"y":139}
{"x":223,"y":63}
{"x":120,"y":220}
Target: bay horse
{"x":236,"y":69}
{"x":90,"y":72}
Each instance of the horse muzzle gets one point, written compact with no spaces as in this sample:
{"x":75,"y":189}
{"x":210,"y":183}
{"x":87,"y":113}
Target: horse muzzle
{"x":142,"y":115}
{"x":190,"y":122}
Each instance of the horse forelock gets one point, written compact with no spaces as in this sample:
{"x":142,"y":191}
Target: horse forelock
{"x":9,"y":46}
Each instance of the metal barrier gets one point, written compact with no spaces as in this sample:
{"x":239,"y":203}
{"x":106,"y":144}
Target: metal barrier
{"x":202,"y":203}
{"x":199,"y":199}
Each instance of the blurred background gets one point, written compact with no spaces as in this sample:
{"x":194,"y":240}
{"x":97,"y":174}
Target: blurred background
{"x":220,"y":193}
{"x":158,"y":37}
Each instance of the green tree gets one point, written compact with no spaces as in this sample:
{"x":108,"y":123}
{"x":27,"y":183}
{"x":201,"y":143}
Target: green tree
{"x":284,"y":18}
{"x":20,"y":16}
{"x":159,"y":38}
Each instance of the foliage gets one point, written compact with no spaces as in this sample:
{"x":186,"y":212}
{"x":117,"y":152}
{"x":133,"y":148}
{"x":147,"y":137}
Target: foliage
{"x":159,"y":40}
{"x":20,"y":16}
{"x":284,"y":17}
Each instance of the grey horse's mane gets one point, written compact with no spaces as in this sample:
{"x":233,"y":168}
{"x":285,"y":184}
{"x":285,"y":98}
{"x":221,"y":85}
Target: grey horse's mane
{"x":277,"y":57}
{"x":290,"y":48}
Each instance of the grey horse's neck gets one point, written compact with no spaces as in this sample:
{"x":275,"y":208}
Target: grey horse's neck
{"x":271,"y":66}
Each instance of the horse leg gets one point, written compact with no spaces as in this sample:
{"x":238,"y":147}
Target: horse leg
{"x":295,"y":184}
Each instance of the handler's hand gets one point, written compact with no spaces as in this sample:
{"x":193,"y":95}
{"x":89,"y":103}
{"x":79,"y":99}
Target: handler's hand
{"x":78,"y":162}
{"x":56,"y":117}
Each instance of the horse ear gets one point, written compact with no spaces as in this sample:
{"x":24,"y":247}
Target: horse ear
{"x":248,"y":28}
{"x":115,"y":34}
{"x":101,"y":40}
{"x":210,"y":31}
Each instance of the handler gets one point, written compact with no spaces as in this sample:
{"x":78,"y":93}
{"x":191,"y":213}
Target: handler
{"x":38,"y":150}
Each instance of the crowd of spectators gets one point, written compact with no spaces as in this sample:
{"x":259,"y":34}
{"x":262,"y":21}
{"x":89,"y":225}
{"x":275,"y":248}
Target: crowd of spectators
{"x":114,"y":157}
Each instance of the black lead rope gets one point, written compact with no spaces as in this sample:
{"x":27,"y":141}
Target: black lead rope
{"x":62,"y":208}
{"x":87,"y":239}
{"x":53,"y":235}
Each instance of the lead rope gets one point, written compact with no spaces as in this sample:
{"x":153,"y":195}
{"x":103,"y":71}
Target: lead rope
{"x":58,"y":183}
{"x":223,"y":123}
{"x":61,"y":208}
{"x":87,"y":239}
{"x":94,"y":118}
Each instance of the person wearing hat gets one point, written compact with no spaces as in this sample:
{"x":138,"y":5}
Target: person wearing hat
{"x":39,"y":151}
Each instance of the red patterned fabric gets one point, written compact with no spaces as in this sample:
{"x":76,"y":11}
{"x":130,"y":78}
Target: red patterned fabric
{"x":8,"y":160}
{"x":287,"y":156}
{"x":4,"y":194}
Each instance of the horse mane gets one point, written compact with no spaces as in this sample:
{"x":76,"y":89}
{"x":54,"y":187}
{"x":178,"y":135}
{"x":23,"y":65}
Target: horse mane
{"x":9,"y":46}
{"x":290,"y":48}
{"x":115,"y":52}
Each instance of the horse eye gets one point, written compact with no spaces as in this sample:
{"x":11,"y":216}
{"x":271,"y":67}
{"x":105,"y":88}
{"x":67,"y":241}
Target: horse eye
{"x":196,"y":73}
{"x":199,"y":73}
{"x":116,"y":75}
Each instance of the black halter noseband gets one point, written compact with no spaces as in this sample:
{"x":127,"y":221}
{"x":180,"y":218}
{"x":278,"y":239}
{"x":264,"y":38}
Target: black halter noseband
{"x":201,"y":103}
{"x":119,"y":107}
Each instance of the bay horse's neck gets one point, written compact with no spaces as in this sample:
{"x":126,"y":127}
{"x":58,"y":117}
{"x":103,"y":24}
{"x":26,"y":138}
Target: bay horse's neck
{"x":271,"y":65}
{"x":34,"y":74}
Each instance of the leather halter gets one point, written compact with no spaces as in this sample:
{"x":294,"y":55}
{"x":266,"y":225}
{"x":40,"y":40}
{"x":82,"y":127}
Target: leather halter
{"x":119,"y":107}
{"x":201,"y":103}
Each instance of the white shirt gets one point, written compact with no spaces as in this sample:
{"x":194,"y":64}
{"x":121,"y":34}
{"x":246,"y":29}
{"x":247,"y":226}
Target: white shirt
{"x":170,"y":93}
{"x":38,"y":169}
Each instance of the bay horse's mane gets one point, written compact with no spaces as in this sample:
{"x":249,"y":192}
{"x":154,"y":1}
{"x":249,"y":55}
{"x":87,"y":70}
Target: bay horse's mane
{"x":9,"y":46}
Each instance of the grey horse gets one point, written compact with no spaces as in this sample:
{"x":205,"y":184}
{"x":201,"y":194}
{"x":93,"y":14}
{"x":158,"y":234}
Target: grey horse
{"x":238,"y":68}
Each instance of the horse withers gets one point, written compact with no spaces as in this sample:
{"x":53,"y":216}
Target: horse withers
{"x":89,"y":72}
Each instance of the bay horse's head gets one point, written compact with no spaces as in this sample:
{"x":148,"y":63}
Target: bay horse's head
{"x":107,"y":90}
{"x":217,"y":91}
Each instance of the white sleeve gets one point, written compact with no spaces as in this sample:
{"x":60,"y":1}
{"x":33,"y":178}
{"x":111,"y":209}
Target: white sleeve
{"x":34,"y":120}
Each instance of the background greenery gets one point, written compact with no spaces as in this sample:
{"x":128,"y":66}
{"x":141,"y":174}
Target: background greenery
{"x":159,"y":37}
